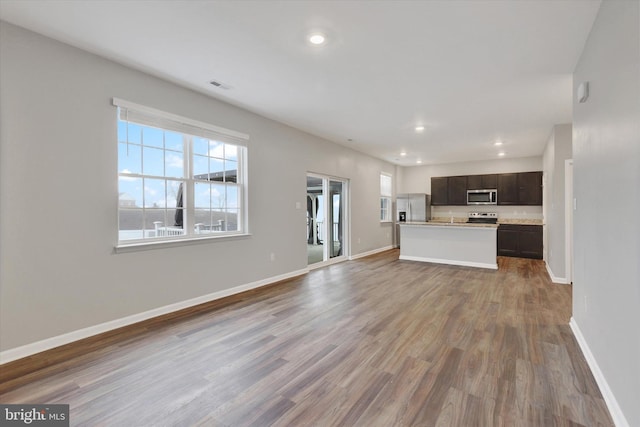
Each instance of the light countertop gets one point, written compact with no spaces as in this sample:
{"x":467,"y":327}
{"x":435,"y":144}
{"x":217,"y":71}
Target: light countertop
{"x":520,"y":221}
{"x":513,"y":221}
{"x":449,"y":224}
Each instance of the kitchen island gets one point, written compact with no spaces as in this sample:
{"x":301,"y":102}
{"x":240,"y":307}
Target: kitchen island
{"x":471,"y":245}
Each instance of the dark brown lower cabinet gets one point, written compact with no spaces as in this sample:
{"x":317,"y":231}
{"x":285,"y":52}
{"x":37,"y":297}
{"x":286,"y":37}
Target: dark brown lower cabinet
{"x":523,"y":241}
{"x":508,"y":241}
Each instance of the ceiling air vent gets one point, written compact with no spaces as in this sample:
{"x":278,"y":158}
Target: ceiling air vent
{"x":219,"y":84}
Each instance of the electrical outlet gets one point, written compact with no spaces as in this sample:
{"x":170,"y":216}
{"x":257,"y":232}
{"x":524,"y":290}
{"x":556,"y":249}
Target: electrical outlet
{"x":273,"y":256}
{"x":359,"y":240}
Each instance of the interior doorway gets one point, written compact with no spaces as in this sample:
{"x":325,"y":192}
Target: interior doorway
{"x":326,"y":219}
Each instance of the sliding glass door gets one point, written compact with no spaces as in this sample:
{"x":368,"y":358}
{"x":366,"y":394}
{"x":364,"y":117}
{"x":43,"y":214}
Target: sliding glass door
{"x":326,"y":219}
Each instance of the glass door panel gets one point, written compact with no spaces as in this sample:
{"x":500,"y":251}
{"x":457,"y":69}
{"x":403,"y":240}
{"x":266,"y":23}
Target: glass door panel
{"x":336,"y":214}
{"x":315,"y":216}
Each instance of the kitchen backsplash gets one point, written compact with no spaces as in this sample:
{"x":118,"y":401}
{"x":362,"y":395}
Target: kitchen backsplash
{"x":504,"y":212}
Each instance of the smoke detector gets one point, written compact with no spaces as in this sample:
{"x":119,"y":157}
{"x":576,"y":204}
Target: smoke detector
{"x":219,"y":84}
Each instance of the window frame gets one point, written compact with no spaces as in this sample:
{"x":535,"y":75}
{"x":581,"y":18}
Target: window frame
{"x":190,"y":130}
{"x":386,"y":215}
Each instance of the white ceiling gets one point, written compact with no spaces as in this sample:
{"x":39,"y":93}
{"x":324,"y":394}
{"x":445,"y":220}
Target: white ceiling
{"x":470,"y":71}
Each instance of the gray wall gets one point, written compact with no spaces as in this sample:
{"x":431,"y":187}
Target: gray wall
{"x":557,"y":150}
{"x":606,"y":161}
{"x":417,"y":179}
{"x":59,"y":196}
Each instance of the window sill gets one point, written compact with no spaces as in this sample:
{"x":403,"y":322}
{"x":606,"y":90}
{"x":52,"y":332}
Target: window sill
{"x":386,"y":222}
{"x":163,"y":244}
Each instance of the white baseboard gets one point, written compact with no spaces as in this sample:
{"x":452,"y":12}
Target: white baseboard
{"x":49,"y":343}
{"x":554,"y":279}
{"x":612,"y":404}
{"x":327,"y":263}
{"x":368,"y":253}
{"x":450,"y":261}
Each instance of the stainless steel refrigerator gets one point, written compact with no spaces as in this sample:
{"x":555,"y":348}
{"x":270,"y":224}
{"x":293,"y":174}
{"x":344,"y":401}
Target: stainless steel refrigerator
{"x":412,"y":207}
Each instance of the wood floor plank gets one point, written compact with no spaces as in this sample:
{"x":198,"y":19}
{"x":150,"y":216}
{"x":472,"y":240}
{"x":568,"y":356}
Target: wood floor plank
{"x":390,"y":405}
{"x":434,"y":400}
{"x":371,"y":342}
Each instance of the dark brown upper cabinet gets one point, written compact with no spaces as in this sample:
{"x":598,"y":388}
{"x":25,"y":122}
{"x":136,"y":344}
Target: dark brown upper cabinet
{"x":439,"y":191}
{"x":482,"y":182}
{"x":529,"y":188}
{"x":457,"y":190}
{"x":523,"y":188}
{"x":508,"y":189}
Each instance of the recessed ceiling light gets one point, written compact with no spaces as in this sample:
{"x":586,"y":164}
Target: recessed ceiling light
{"x":419,"y":128}
{"x":418,"y":161}
{"x":501,"y":154}
{"x":497,"y":143}
{"x":317,"y":39}
{"x":403,"y":153}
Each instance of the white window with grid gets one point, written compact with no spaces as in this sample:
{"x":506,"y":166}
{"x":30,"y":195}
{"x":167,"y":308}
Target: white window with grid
{"x":386,"y":194}
{"x":177,"y":178}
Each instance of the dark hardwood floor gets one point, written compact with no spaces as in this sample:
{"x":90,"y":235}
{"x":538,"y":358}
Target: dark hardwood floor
{"x":371,"y":342}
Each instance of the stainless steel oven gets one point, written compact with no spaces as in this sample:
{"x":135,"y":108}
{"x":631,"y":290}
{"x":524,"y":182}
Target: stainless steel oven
{"x":482,"y":197}
{"x":483,"y":218}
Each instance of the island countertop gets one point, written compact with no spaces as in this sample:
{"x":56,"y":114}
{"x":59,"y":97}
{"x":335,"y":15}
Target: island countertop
{"x":449,"y":224}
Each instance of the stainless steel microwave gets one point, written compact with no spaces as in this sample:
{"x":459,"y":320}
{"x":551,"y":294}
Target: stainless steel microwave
{"x":482,"y":197}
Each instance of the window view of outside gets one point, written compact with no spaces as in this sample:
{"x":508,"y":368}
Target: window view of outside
{"x":172,"y":184}
{"x":385,"y":197}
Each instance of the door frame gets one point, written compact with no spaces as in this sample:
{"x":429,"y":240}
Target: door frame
{"x":328,"y":228}
{"x":568,"y":219}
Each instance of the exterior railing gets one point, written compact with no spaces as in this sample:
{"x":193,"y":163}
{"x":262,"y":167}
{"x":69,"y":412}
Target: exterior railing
{"x":335,"y":235}
{"x":200,"y":228}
